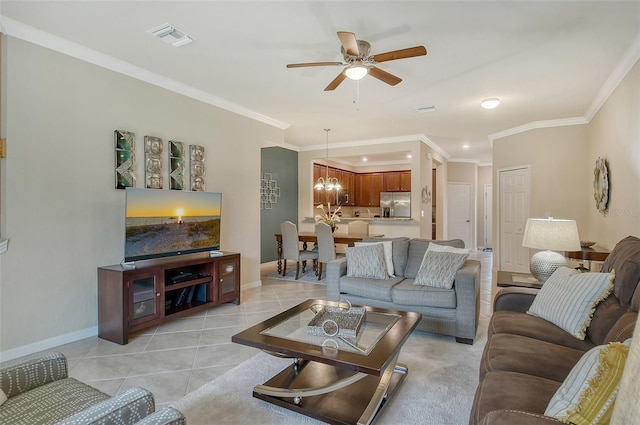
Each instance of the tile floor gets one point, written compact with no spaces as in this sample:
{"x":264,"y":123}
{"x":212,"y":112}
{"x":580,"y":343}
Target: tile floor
{"x":180,"y":356}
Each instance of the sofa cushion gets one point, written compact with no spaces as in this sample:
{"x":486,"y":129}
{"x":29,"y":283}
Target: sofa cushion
{"x":627,"y":275}
{"x":407,"y":293}
{"x":568,"y":299}
{"x":49,"y":403}
{"x":516,"y":323}
{"x":388,"y":254}
{"x":515,"y":353}
{"x":512,"y":391}
{"x":417,"y":249}
{"x":606,"y":315}
{"x":623,"y":328}
{"x":439,"y":266}
{"x":377,"y":289}
{"x":400,"y":250}
{"x":366,"y":261}
{"x":588,"y":394}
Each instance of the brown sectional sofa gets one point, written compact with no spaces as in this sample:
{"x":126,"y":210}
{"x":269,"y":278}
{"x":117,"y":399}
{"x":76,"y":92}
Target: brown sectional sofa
{"x":526,"y":358}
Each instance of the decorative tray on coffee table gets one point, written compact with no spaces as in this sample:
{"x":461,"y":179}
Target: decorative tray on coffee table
{"x":337,"y":321}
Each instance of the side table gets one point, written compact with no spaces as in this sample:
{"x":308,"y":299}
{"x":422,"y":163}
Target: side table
{"x":587,"y":255}
{"x":521,"y":280}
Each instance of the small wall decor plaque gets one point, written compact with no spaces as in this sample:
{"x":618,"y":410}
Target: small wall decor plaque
{"x":125,"y":147}
{"x":153,"y":162}
{"x":197,"y":168}
{"x":601,"y":185}
{"x":269,"y":192}
{"x":176,"y":165}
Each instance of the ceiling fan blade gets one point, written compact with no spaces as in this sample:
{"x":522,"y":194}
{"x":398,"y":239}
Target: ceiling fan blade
{"x":300,"y":65}
{"x":384,"y":76}
{"x":400,"y":54}
{"x":336,"y":82}
{"x":349,"y":43}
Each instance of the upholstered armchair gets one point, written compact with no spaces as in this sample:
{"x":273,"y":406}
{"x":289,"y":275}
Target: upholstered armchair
{"x":39,"y":391}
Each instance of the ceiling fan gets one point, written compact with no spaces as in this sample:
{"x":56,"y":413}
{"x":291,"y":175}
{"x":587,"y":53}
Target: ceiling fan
{"x":358,"y":61}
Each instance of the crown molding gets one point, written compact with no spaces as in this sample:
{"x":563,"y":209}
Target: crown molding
{"x":33,"y":35}
{"x":383,"y":140}
{"x":536,"y":125}
{"x":627,"y":62}
{"x":631,"y":56}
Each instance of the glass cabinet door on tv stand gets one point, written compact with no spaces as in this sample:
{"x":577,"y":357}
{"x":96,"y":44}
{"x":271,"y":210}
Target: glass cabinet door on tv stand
{"x":228,"y":279}
{"x":145,"y":297}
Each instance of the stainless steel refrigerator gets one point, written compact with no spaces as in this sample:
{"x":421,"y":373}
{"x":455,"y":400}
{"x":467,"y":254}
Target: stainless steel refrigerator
{"x":395,"y":204}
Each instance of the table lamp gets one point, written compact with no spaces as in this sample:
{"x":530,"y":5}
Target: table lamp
{"x":550,"y":235}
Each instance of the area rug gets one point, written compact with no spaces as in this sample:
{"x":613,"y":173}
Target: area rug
{"x":439,"y":389}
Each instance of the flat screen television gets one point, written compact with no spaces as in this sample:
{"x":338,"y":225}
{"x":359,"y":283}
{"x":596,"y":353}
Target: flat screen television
{"x":162,"y":223}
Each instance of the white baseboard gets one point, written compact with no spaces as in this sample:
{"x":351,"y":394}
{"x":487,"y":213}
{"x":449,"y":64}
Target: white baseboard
{"x":46,"y":344}
{"x":255,"y":284}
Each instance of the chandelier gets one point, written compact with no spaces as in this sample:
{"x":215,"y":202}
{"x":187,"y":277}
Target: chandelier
{"x":327,"y":183}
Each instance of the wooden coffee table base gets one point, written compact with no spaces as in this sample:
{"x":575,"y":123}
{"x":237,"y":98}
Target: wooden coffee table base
{"x":332,"y":394}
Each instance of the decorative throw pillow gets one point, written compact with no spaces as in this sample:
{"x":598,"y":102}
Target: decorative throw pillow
{"x":588,"y":393}
{"x":366,"y":261}
{"x":3,"y":397}
{"x":439,"y":266}
{"x":388,"y":253}
{"x":568,"y":299}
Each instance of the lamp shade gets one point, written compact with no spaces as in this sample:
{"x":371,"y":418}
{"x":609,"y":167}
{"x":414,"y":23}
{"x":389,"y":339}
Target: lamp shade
{"x":551,"y":234}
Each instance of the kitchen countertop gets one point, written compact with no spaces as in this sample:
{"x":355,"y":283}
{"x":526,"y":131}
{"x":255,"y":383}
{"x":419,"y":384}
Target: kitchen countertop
{"x":372,"y":219}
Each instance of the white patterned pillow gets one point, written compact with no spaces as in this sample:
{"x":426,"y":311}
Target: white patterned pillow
{"x":388,"y":254}
{"x":568,"y":299}
{"x":366,"y":261}
{"x":588,"y":393}
{"x":439,"y":266}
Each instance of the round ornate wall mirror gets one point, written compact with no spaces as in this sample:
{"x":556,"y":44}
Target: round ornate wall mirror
{"x":601,"y":184}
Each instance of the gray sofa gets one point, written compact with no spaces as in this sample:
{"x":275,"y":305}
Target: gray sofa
{"x":452,"y":312}
{"x":40,"y":392}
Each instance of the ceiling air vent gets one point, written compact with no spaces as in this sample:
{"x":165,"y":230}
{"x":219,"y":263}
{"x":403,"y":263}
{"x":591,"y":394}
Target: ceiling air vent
{"x":171,"y":35}
{"x":426,"y":108}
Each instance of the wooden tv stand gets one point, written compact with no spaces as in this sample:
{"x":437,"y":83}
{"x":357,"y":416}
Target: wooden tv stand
{"x":133,"y":299}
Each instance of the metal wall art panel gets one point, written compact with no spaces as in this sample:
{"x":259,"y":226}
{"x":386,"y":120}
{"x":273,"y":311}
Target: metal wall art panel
{"x":176,"y":165}
{"x":197,"y":168}
{"x":153,"y":162}
{"x":125,"y":150}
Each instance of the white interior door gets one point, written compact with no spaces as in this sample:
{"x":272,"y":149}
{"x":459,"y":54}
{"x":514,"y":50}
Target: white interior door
{"x":459,"y":212}
{"x":488,"y":216}
{"x":514,"y":211}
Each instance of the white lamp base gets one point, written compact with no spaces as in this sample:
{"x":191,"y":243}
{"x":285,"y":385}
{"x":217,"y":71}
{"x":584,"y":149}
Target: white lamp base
{"x":544,"y":263}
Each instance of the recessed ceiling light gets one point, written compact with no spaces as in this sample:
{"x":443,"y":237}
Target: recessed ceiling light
{"x":365,"y":159}
{"x":465,"y":146}
{"x":171,"y":35}
{"x":490,"y":103}
{"x":409,"y":156}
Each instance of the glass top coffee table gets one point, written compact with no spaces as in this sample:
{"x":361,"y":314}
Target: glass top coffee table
{"x":344,"y":365}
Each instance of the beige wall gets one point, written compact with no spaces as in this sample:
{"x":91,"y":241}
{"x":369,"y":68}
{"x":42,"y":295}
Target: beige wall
{"x":562,"y":160}
{"x":614,"y":134}
{"x":59,"y":207}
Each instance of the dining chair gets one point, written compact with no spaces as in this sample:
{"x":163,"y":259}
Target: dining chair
{"x":359,"y":227}
{"x":291,"y":248}
{"x":326,"y":246}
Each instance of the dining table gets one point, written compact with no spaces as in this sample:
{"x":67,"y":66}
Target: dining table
{"x":349,"y":239}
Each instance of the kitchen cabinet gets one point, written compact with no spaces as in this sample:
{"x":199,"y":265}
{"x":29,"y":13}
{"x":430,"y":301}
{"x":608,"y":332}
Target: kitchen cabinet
{"x":397,"y":181}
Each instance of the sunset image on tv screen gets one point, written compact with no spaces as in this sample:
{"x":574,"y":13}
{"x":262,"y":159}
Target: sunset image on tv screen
{"x":167,"y":222}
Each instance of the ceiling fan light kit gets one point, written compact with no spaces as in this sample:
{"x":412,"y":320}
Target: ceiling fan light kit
{"x":356,"y":72}
{"x":358,"y":61}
